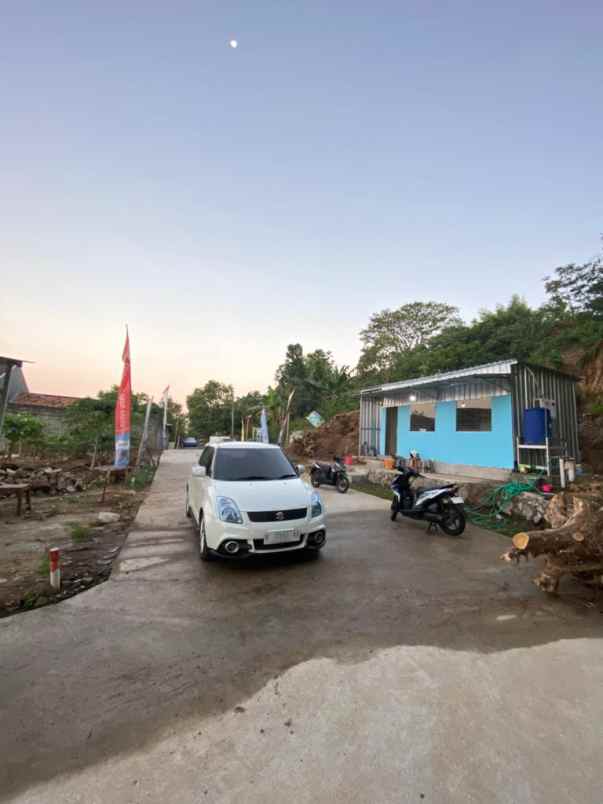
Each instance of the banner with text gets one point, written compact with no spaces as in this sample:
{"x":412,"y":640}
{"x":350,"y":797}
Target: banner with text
{"x":123,"y":409}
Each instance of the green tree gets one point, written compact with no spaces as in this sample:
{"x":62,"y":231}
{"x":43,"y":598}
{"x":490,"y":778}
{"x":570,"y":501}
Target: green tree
{"x":23,"y":428}
{"x":577,"y":288}
{"x":509,"y":331}
{"x":392,"y":332}
{"x":210,"y":409}
{"x":90,"y":424}
{"x":275,"y":409}
{"x":292,"y":375}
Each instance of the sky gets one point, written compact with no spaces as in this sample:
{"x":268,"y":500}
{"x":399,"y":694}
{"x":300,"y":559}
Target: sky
{"x":346,"y":157}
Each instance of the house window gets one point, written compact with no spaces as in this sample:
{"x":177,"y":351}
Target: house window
{"x":422,"y":417}
{"x":474,"y":416}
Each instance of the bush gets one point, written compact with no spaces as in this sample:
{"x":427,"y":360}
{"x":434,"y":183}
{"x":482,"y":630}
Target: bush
{"x":23,"y":428}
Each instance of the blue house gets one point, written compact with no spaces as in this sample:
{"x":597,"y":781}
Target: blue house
{"x":474,"y":421}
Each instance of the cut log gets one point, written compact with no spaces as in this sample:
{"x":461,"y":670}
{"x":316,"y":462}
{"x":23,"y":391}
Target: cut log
{"x":537,"y":542}
{"x":574,"y":545}
{"x":582,"y":525}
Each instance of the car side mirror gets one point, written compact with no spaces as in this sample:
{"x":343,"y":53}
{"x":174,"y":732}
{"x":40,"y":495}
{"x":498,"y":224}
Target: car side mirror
{"x":199,"y":471}
{"x":300,"y":469}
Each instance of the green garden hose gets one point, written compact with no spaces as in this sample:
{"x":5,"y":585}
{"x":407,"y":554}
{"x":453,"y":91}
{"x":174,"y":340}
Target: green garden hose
{"x":488,"y":511}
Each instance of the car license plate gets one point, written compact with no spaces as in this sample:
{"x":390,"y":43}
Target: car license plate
{"x":281,"y":537}
{"x":457,"y":500}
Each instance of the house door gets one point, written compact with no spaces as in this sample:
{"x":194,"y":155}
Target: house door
{"x":391,"y":431}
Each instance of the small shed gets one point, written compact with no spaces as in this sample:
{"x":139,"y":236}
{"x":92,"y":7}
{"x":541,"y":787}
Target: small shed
{"x":49,"y":408}
{"x":475,"y":421}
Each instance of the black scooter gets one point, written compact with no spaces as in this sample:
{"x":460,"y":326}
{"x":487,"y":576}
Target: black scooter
{"x":330,"y":474}
{"x":441,"y":506}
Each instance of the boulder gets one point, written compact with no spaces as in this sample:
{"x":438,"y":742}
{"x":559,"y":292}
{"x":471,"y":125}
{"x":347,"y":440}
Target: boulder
{"x":107,"y":517}
{"x":528,"y":505}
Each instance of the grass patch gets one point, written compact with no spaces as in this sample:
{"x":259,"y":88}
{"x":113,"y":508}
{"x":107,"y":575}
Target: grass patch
{"x":44,"y":567}
{"x":375,"y":489}
{"x":79,"y":532}
{"x":142,"y":477}
{"x":29,"y":600}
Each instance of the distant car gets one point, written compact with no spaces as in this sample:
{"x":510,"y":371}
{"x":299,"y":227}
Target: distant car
{"x":190,"y":441}
{"x":246,"y":499}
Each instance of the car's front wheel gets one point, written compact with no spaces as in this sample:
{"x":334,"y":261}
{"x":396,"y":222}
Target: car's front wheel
{"x":204,"y":551}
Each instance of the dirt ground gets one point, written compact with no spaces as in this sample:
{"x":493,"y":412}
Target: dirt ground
{"x":69,"y":522}
{"x":338,"y":436}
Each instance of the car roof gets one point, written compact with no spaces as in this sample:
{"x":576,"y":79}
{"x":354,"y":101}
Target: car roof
{"x":244,"y":445}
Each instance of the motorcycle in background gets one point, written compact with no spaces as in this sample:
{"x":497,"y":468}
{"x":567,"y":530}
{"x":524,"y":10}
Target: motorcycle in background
{"x":330,"y":474}
{"x":440,"y":506}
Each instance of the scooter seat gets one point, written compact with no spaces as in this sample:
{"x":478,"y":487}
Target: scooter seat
{"x":323,"y":464}
{"x":441,"y":487}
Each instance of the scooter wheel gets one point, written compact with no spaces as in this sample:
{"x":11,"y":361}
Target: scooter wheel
{"x":393,"y":516}
{"x":454,"y":523}
{"x":314,"y":480}
{"x":343,"y":484}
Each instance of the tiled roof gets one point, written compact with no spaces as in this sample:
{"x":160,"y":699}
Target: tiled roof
{"x":44,"y":400}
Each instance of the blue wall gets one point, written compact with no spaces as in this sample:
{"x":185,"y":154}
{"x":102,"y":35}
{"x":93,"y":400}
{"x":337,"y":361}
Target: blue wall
{"x":489,"y":449}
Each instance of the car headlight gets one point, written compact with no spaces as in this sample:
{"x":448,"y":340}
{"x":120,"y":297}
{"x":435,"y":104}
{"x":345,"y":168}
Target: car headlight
{"x":316,"y":504}
{"x":228,"y":511}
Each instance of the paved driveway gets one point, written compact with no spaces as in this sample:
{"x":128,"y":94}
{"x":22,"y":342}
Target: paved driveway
{"x":401,"y":666}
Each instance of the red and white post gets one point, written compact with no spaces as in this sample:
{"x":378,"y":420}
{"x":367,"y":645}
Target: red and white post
{"x":55,"y":568}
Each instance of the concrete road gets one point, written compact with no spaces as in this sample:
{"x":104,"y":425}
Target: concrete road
{"x":401,"y":666}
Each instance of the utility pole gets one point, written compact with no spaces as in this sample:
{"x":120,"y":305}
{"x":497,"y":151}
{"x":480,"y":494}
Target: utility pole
{"x":164,"y":437}
{"x":232,"y":415}
{"x":145,"y":433}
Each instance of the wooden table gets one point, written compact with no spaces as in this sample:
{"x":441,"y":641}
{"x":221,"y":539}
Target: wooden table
{"x":21,"y":490}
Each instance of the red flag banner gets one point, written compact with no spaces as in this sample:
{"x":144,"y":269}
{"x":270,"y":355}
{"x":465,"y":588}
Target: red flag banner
{"x":123,"y":410}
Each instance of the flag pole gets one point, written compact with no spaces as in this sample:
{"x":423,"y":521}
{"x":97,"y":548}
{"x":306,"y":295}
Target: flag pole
{"x":145,"y":432}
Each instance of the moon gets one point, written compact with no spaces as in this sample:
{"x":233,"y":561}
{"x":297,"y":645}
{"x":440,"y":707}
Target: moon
{"x":233,"y":44}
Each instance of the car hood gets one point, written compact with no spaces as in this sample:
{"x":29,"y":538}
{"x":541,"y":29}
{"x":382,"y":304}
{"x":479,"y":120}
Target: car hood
{"x":266,"y":495}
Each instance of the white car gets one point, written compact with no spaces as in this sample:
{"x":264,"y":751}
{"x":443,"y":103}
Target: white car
{"x":247,"y":499}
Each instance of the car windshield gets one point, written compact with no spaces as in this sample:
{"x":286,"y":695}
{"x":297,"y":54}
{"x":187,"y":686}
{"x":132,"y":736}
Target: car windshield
{"x":252,"y":464}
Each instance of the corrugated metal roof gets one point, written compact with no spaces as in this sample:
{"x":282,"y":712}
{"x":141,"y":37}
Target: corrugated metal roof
{"x":498,"y":368}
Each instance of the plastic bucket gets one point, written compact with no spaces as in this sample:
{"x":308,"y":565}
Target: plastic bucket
{"x":348,"y":460}
{"x":570,"y":469}
{"x":389,"y":463}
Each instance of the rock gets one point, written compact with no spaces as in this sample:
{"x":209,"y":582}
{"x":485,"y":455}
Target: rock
{"x":382,"y":477}
{"x":528,"y":505}
{"x":474,"y":493}
{"x":106,"y":517}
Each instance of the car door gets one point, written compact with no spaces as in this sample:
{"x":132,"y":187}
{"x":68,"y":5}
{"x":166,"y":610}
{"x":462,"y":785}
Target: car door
{"x":208,"y":459}
{"x":198,"y":485}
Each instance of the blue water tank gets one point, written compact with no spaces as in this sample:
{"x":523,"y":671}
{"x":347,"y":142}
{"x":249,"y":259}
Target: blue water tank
{"x":536,"y":425}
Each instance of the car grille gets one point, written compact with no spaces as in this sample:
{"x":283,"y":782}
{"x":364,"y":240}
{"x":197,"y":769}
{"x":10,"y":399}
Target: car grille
{"x":259,"y":544}
{"x":277,"y":516}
